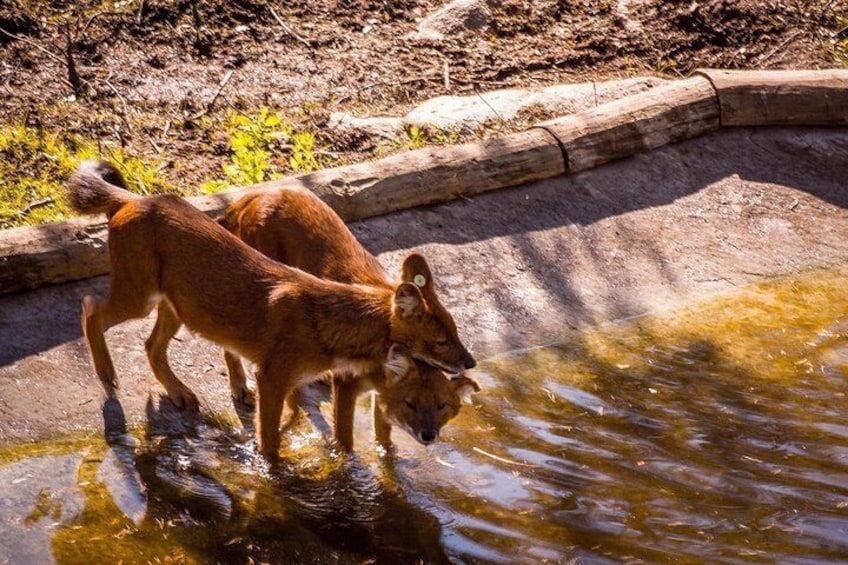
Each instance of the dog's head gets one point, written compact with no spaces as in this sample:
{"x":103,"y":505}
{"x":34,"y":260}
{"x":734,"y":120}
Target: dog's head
{"x":419,"y":398}
{"x":420,"y":322}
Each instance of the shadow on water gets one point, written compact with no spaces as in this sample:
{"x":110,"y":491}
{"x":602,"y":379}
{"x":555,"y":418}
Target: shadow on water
{"x":194,"y":489}
{"x":675,"y":445}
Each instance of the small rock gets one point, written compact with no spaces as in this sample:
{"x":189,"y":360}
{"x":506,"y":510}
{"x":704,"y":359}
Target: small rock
{"x":453,"y":19}
{"x":466,"y":113}
{"x":390,"y":128}
{"x":624,"y":17}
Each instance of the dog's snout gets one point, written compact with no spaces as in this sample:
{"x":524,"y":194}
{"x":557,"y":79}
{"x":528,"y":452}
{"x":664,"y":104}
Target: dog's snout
{"x":470,"y":363}
{"x":428,"y":436}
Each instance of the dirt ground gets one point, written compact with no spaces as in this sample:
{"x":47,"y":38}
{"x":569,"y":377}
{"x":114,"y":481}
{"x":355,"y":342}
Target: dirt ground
{"x":149,"y":76}
{"x":519,"y":267}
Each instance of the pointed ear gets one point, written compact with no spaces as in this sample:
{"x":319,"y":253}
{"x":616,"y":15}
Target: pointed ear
{"x":408,"y":300}
{"x":417,"y":272}
{"x":464,"y":387}
{"x":397,"y":364}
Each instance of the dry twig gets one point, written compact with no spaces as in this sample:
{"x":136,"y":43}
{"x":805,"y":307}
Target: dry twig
{"x":125,"y":111}
{"x":774,"y":51}
{"x":288,"y":29}
{"x":37,"y":204}
{"x":34,"y":44}
{"x":486,"y":102}
{"x":502,"y":459}
{"x":73,"y":76}
{"x":208,"y":107}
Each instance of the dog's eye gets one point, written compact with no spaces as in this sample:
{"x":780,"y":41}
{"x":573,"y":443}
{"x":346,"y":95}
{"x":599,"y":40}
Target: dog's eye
{"x":442,"y":343}
{"x":442,"y":405}
{"x":409,"y":404}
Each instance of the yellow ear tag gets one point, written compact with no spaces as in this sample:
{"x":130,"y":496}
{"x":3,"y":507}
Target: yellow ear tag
{"x":420,"y":281}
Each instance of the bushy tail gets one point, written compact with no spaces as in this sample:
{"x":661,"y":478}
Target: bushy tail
{"x":97,"y":187}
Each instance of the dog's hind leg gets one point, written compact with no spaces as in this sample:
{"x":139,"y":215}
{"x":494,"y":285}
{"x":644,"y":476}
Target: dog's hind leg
{"x":238,"y":380}
{"x":167,"y":324}
{"x":276,"y":380}
{"x":93,"y":328}
{"x":98,"y":314}
{"x":133,"y":291}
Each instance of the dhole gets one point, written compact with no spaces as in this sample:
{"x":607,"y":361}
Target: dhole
{"x":165,"y":253}
{"x":297,"y":228}
{"x":416,"y":397}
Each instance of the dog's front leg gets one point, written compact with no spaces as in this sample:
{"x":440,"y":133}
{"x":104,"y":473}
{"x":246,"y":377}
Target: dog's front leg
{"x":344,"y":406}
{"x":238,"y":380}
{"x":275,"y":381}
{"x":382,"y":427}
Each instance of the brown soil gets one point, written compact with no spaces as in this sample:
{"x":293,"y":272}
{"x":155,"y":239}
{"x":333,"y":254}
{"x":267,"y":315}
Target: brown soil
{"x":148,"y":68}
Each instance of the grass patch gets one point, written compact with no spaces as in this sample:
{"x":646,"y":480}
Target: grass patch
{"x":263,"y":147}
{"x":35,"y":164}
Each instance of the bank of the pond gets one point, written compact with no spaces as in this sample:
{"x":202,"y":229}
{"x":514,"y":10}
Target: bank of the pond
{"x":518,"y":267}
{"x":668,"y":113}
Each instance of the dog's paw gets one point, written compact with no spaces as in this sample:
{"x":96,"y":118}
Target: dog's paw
{"x":244,"y":395}
{"x":184,"y":399}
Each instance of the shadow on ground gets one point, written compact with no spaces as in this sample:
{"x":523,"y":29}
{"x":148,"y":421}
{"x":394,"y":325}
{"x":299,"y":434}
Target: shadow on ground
{"x":517,"y":267}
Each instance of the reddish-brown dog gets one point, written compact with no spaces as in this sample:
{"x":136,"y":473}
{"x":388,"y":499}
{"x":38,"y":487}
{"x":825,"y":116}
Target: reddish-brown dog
{"x":165,"y":253}
{"x":297,"y":228}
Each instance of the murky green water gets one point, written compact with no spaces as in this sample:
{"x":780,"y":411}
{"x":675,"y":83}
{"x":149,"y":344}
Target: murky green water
{"x":714,"y":433}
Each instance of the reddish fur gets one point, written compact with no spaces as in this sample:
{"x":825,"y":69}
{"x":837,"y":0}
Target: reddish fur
{"x":297,"y":228}
{"x":293,"y":325}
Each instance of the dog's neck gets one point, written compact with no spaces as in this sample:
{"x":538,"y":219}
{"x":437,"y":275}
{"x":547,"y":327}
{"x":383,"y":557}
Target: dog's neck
{"x":354,"y":321}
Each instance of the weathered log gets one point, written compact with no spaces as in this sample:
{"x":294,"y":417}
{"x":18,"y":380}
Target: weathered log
{"x":431,"y":175}
{"x":75,"y":249}
{"x":32,"y":257}
{"x":665,"y":114}
{"x":781,"y":98}
{"x":58,"y":252}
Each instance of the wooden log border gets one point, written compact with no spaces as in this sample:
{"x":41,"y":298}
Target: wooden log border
{"x":75,"y":249}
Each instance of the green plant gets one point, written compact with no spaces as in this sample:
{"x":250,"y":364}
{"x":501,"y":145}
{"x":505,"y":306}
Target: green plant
{"x":141,"y":176}
{"x":262,"y":147}
{"x":302,"y":158}
{"x":417,"y":137}
{"x":446,"y":137}
{"x":252,"y":141}
{"x":213,"y":186}
{"x":35,"y":163}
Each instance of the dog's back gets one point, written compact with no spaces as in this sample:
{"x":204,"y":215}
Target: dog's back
{"x":297,"y":228}
{"x":163,"y":247}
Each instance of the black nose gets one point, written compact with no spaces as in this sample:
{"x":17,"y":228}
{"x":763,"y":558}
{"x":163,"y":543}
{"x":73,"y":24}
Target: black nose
{"x":428,"y":436}
{"x":470,"y":363}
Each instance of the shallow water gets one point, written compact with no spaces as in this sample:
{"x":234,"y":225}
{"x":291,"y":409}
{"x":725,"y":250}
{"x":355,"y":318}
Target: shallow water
{"x":717,"y":432}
